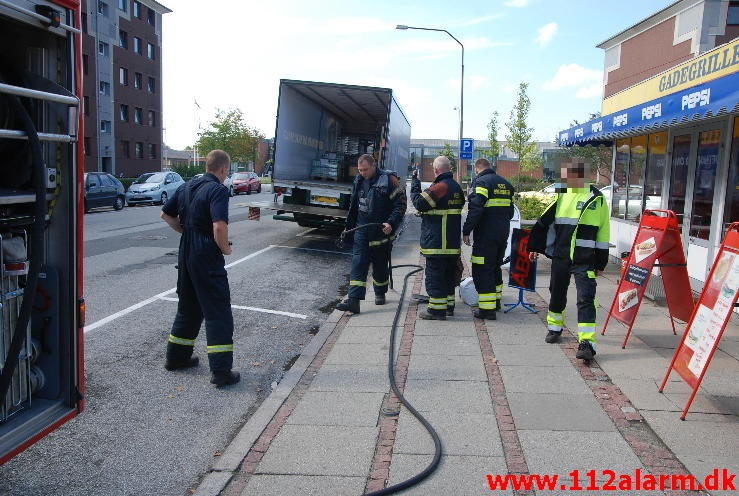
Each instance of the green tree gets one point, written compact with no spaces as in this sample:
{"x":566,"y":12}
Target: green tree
{"x":493,"y":152}
{"x":519,"y":133}
{"x":449,"y":153}
{"x":188,"y":170}
{"x":230,"y":133}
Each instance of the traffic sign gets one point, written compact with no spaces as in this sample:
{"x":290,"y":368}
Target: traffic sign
{"x":466,"y":147}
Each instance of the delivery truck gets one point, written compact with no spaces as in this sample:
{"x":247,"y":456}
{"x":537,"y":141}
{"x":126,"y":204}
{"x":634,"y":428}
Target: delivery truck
{"x":322,"y":129}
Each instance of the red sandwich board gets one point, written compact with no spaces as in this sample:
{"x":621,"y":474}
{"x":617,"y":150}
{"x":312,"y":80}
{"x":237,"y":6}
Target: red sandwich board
{"x":658,"y":238}
{"x":709,"y":318}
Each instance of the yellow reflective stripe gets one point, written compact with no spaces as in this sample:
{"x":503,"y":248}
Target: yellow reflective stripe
{"x":586,"y":336}
{"x":448,"y":211}
{"x":451,"y":298}
{"x":498,"y":202}
{"x":220,"y":348}
{"x":443,"y":231}
{"x":437,"y":251}
{"x":358,"y":283}
{"x":490,"y":305}
{"x":556,"y":319}
{"x":499,"y":288}
{"x":428,"y":199}
{"x":591,"y":274}
{"x":478,"y":260}
{"x":380,"y":283}
{"x":481,"y":191}
{"x":486,"y":297}
{"x":182,"y":341}
{"x":382,"y":241}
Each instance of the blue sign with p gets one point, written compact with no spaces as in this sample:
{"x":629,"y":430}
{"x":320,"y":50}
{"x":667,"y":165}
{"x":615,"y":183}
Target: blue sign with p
{"x":466,"y":147}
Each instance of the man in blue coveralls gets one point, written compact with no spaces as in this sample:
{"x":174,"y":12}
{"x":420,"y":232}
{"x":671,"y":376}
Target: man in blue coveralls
{"x":378,"y":197}
{"x":199,"y":211}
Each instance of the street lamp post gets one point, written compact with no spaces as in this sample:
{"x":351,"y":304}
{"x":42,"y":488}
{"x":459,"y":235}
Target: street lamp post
{"x":461,"y":82}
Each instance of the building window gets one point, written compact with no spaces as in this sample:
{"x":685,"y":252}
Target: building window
{"x":732,"y":18}
{"x":152,"y":151}
{"x":103,"y":8}
{"x":104,"y":88}
{"x":103,"y":48}
{"x":86,"y":105}
{"x":136,"y":9}
{"x":151,"y":85}
{"x":637,"y":164}
{"x":151,"y":17}
{"x":731,"y":208}
{"x":85,"y":64}
{"x":125,"y":149}
{"x":150,"y":51}
{"x":656,"y":161}
{"x":152,"y":118}
{"x":105,"y":126}
{"x":86,"y":145}
{"x":139,"y":149}
{"x":84,"y":23}
{"x":123,"y":5}
{"x":122,"y":39}
{"x":704,"y":187}
{"x":137,"y":77}
{"x":124,"y":112}
{"x":123,"y":76}
{"x":137,"y":114}
{"x":137,"y":44}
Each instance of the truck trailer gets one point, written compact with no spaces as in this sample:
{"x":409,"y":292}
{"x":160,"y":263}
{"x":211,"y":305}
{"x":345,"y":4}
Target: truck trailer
{"x":321,"y":130}
{"x":41,"y":167}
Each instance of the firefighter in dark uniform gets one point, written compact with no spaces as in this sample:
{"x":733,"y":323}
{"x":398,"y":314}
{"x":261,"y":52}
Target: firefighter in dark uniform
{"x":199,"y":210}
{"x":574,"y":232}
{"x":440,"y":207}
{"x":377,"y":197}
{"x":489,"y":219}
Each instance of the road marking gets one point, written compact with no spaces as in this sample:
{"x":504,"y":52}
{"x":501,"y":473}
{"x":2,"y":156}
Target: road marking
{"x":301,"y":234}
{"x":312,"y":249}
{"x":253,"y":309}
{"x":156,"y":297}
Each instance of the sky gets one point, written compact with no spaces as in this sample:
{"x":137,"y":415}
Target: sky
{"x":232,"y":53}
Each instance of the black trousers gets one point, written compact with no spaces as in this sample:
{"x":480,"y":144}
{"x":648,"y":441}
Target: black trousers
{"x":364,"y":253}
{"x":440,"y":282}
{"x":202,"y":287}
{"x":586,"y":307}
{"x":486,"y":272}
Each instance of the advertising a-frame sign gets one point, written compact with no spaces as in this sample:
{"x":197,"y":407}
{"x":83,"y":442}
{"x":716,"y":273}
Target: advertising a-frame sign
{"x":658,"y":243}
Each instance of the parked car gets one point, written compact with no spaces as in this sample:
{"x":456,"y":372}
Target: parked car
{"x":103,"y":190}
{"x":153,"y":187}
{"x":244,"y":182}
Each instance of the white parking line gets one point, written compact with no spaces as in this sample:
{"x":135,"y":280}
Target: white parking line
{"x":253,"y":309}
{"x":156,"y":297}
{"x":301,"y":234}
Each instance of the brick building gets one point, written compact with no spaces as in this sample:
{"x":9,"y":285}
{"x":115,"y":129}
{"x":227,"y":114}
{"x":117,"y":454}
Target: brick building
{"x":122,"y":74}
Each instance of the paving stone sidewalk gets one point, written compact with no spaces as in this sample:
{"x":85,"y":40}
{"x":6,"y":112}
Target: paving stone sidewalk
{"x":502,"y":400}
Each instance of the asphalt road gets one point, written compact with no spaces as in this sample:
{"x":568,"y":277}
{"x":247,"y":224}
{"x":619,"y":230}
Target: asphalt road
{"x":147,"y":431}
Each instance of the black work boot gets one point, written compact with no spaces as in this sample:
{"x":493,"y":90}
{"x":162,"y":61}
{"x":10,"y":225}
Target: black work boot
{"x":349,"y":305}
{"x":379,"y":299}
{"x":585,"y":351}
{"x":485,"y":314}
{"x":432,"y":316}
{"x":553,"y":336}
{"x":181,"y":364}
{"x":225,"y":378}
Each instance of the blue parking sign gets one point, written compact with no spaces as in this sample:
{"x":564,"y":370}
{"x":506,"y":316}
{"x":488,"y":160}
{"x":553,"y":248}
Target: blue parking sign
{"x":466,"y":147}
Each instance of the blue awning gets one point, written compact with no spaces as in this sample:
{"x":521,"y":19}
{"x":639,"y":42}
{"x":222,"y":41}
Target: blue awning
{"x":703,"y":101}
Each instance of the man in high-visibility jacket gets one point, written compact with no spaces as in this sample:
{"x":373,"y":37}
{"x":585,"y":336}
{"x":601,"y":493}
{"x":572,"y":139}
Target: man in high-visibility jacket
{"x":490,"y":205}
{"x":440,"y":206}
{"x":574,"y":232}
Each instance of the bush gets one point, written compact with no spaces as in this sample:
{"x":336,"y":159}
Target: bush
{"x":265,"y":180}
{"x":531,"y":207}
{"x":126,"y":181}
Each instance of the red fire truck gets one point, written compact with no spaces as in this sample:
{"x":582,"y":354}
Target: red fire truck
{"x":42,"y":311}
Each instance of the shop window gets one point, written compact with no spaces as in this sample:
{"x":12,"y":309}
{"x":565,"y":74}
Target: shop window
{"x":731,"y":210}
{"x":620,"y":178}
{"x":637,"y":163}
{"x":679,"y":174}
{"x":656,"y":161}
{"x":709,"y":144}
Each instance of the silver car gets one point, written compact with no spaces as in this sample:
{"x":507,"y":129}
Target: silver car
{"x":153,"y":187}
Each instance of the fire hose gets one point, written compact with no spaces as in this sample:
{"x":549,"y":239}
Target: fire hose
{"x":416,"y":479}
